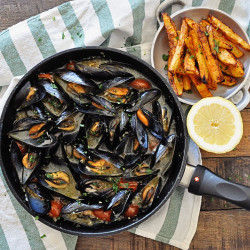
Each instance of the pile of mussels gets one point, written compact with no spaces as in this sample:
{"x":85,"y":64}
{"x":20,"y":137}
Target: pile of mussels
{"x":92,"y":142}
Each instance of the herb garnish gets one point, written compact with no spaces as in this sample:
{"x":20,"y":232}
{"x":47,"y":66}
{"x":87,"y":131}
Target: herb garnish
{"x":43,"y":236}
{"x":216,"y":46}
{"x":166,"y":67}
{"x":53,"y":86}
{"x":191,"y":57}
{"x":63,"y":35}
{"x":165,"y":57}
{"x":206,"y":33}
{"x":37,"y":217}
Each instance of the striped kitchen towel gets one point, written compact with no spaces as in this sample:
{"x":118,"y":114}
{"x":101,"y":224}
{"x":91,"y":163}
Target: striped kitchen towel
{"x":129,"y":25}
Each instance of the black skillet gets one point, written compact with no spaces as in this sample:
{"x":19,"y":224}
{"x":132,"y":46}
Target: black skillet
{"x":198,"y":179}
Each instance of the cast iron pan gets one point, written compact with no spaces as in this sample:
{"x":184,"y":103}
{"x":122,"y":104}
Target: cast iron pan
{"x":207,"y":182}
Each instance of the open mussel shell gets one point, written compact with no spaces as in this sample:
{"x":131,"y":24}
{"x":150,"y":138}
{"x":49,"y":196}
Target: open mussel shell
{"x":163,"y":156}
{"x":39,"y":199}
{"x":119,"y":202}
{"x":95,"y":127}
{"x":73,"y":155}
{"x":95,"y":187}
{"x":29,"y":95}
{"x":140,"y":131}
{"x":26,"y":162}
{"x":68,"y":124}
{"x":115,"y":82}
{"x":88,"y":108}
{"x":146,"y":196}
{"x":147,"y":96}
{"x":33,"y":132}
{"x":103,"y":164}
{"x":97,"y":68}
{"x":153,"y":125}
{"x":57,"y":177}
{"x":141,"y":169}
{"x":74,"y":77}
{"x":31,"y":111}
{"x":55,"y":101}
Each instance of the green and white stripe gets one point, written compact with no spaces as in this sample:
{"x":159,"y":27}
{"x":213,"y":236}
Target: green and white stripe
{"x":82,"y":23}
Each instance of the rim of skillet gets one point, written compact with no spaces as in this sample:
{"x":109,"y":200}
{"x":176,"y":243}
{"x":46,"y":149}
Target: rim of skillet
{"x":179,"y":12}
{"x":102,"y":231}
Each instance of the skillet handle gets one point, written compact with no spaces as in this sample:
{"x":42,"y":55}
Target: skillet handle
{"x":205,"y":182}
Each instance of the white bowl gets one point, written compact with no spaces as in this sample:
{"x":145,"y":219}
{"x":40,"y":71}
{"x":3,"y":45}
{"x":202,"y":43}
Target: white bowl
{"x":160,"y":46}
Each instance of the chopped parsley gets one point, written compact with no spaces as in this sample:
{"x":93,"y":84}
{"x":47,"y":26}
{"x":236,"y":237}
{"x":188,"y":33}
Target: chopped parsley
{"x":63,"y":35}
{"x":53,"y":86}
{"x":149,"y":171}
{"x":165,"y":57}
{"x":39,"y":39}
{"x":191,"y":57}
{"x":206,"y":33}
{"x":166,"y":67}
{"x":37,"y":217}
{"x":84,"y":194}
{"x":179,"y":79}
{"x":54,"y":18}
{"x":189,"y":91}
{"x":43,"y":236}
{"x":177,"y":38}
{"x":216,"y":46}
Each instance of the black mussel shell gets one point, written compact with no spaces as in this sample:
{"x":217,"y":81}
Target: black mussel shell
{"x":90,"y":109}
{"x":18,"y":160}
{"x":145,"y":97}
{"x":80,"y":206}
{"x":32,"y":112}
{"x":24,"y":98}
{"x":119,"y":202}
{"x":140,"y":131}
{"x":39,"y":198}
{"x":55,"y":101}
{"x":57,"y":177}
{"x":22,"y":130}
{"x":155,"y":126}
{"x":75,"y":77}
{"x":95,"y":187}
{"x":69,"y":124}
{"x":115,"y":82}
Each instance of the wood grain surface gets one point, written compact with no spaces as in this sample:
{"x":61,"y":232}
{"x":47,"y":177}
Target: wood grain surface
{"x":221,"y":225}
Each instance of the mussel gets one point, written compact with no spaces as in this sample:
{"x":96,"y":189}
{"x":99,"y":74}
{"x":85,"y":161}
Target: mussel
{"x":29,"y":95}
{"x":57,"y":177}
{"x":39,"y":198}
{"x":33,"y":132}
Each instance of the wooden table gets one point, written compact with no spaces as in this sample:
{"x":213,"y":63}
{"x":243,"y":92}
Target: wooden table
{"x":221,"y":224}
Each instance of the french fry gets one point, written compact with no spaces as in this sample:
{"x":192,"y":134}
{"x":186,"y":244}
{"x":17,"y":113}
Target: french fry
{"x":229,"y":33}
{"x":179,"y":48}
{"x":229,"y":81}
{"x":171,"y":30}
{"x":186,"y":83}
{"x":211,"y":39}
{"x":189,"y":63}
{"x":173,"y":79}
{"x":190,"y":22}
{"x":211,"y":84}
{"x":201,"y":87}
{"x":212,"y":65}
{"x":189,"y":44}
{"x":237,"y":70}
{"x":199,"y":56}
{"x":226,"y":57}
{"x":224,"y":68}
{"x":176,"y":84}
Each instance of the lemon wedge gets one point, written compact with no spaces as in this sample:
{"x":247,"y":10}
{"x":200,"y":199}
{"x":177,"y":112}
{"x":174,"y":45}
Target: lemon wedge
{"x":215,"y":125}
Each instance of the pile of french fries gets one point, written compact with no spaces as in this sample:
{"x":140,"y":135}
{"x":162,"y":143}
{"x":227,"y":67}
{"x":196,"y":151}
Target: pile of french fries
{"x":204,"y":53}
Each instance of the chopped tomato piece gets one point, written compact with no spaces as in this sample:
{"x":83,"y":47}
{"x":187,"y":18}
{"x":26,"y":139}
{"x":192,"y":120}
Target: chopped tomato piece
{"x":127,"y":184}
{"x":71,"y":66}
{"x":22,"y":148}
{"x":56,"y":208}
{"x":47,"y":76}
{"x":102,"y":215}
{"x":131,"y":211}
